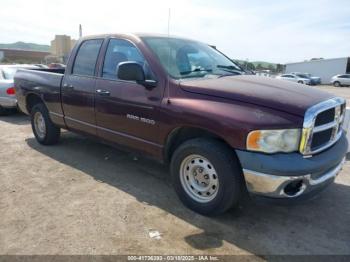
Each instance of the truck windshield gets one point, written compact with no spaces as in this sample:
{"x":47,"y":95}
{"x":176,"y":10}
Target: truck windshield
{"x":190,"y":59}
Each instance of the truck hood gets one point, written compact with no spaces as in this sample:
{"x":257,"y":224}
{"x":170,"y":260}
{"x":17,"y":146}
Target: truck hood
{"x":263,"y":91}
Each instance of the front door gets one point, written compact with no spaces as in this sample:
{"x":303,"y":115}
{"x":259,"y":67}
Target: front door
{"x":126,"y":112}
{"x":78,"y":89}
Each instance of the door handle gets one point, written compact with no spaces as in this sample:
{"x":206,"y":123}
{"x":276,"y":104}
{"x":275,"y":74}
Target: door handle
{"x":103,"y":92}
{"x":68,"y":87}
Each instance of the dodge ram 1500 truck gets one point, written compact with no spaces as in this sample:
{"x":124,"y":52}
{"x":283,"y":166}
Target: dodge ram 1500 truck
{"x":183,"y":102}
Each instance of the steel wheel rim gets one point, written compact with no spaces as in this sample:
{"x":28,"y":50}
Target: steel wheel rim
{"x":39,"y":125}
{"x":199,"y":178}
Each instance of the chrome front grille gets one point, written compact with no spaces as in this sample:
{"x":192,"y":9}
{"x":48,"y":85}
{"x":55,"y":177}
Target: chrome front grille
{"x":322,"y":126}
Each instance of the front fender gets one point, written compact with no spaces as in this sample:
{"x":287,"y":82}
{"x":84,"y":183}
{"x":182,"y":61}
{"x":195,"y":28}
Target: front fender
{"x":231,"y":121}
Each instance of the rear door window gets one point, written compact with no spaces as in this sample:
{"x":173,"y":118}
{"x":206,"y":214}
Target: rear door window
{"x":85,"y":61}
{"x":344,"y":76}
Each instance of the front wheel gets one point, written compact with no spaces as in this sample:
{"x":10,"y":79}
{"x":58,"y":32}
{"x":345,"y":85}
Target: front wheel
{"x":336,"y":84}
{"x":46,"y":132}
{"x":207,"y":176}
{"x":300,"y":82}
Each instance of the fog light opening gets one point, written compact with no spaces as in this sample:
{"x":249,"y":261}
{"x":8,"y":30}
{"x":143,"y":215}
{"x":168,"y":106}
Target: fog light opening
{"x":294,"y":188}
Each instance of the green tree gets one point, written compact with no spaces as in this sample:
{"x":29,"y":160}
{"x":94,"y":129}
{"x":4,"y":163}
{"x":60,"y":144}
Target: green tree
{"x":271,"y":68}
{"x":259,"y":67}
{"x":280,"y":68}
{"x":250,"y":66}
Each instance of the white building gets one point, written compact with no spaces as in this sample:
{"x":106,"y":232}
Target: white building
{"x":324,"y":68}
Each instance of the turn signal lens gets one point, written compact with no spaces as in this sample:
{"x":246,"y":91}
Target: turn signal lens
{"x":253,"y":140}
{"x":11,"y":91}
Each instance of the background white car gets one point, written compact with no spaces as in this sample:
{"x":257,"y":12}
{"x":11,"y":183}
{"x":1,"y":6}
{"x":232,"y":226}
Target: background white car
{"x":8,"y":101}
{"x":341,"y":80}
{"x":314,"y":80}
{"x":294,"y":78}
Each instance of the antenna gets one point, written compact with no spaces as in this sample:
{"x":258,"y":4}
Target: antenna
{"x":80,"y":31}
{"x":169,"y":54}
{"x":169,"y":15}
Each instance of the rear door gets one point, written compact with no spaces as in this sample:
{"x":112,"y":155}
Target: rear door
{"x":78,"y":88}
{"x":126,"y":112}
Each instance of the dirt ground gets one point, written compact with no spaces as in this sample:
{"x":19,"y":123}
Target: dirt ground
{"x":82,"y":197}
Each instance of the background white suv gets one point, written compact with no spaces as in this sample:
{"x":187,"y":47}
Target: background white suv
{"x":341,"y":80}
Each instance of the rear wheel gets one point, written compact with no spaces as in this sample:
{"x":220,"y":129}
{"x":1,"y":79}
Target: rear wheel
{"x":207,"y":176}
{"x":46,"y":132}
{"x":300,"y":82}
{"x":337,"y":84}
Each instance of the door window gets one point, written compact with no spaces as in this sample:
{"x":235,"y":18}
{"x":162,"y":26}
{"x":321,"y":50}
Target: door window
{"x":119,"y":51}
{"x":85,"y":61}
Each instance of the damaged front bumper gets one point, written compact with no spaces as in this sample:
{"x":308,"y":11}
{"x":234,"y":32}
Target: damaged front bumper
{"x":291,"y":175}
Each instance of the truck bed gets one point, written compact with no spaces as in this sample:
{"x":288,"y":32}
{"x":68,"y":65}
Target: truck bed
{"x":57,"y":71}
{"x":45,"y":83}
{"x":42,"y":77}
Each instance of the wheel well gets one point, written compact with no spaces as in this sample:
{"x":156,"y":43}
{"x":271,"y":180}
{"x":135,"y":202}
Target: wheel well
{"x":32,"y":100}
{"x":180,"y":135}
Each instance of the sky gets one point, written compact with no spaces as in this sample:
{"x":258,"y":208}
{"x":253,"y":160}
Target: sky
{"x":275,"y":31}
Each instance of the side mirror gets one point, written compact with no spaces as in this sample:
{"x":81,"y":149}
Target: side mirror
{"x":130,"y":71}
{"x":133,"y":71}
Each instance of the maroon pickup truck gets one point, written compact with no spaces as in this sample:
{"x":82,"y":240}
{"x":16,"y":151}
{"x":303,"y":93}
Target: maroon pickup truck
{"x":182,"y":102}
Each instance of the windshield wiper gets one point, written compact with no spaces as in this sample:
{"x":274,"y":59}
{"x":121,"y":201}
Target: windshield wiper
{"x":231,"y":69}
{"x":195,"y":70}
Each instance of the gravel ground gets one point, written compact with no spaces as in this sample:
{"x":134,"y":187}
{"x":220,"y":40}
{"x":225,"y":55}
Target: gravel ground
{"x":82,"y":197}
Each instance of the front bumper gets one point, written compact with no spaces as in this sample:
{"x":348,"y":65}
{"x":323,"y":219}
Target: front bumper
{"x":291,"y":175}
{"x":315,"y":81}
{"x":8,"y":102}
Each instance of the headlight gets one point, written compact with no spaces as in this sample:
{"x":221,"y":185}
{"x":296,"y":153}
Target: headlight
{"x":272,"y":141}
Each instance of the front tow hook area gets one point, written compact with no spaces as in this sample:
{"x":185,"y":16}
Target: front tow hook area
{"x":294,"y":188}
{"x":287,"y":186}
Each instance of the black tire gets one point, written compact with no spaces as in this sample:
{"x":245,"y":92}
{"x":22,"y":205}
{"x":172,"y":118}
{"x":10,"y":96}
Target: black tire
{"x":52,"y":132}
{"x":337,"y":84}
{"x":300,"y":82}
{"x":229,"y":174}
